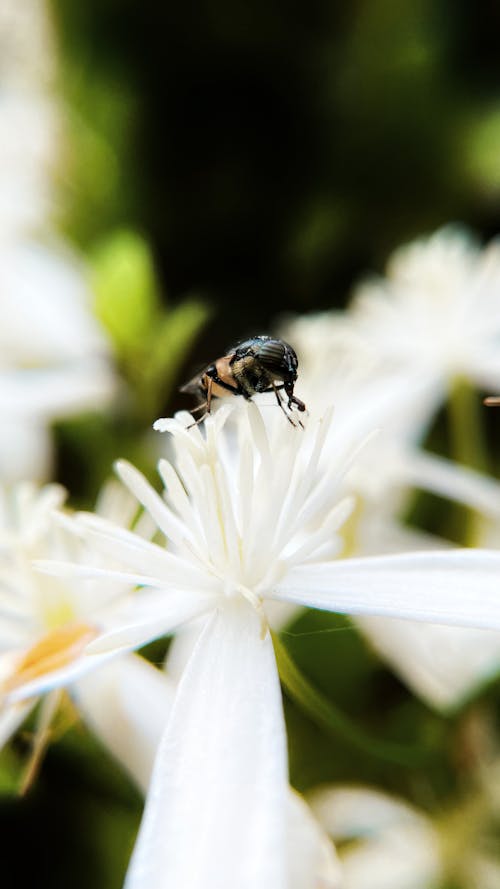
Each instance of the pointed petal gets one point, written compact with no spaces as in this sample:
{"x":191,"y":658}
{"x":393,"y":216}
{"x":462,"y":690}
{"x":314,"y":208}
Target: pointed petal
{"x":312,"y":860}
{"x":459,"y":587}
{"x":126,"y":704}
{"x":155,"y":613}
{"x":220,"y":776}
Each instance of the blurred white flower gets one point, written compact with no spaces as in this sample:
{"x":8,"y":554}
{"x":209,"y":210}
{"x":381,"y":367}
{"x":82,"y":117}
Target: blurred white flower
{"x":54,"y":360}
{"x":388,"y":844}
{"x":443,"y":665}
{"x":30,"y":137}
{"x":27,"y":49}
{"x":370,"y":395}
{"x":126,"y":703}
{"x":437,"y":313}
{"x":251,"y":512}
{"x":30,"y":141}
{"x":45,"y":624}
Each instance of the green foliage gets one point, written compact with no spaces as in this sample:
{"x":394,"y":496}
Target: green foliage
{"x":150,"y":340}
{"x":11,"y":767}
{"x":126,"y":299}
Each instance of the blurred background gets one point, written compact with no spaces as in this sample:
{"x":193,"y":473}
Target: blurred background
{"x":216,"y":166}
{"x":272,"y":153}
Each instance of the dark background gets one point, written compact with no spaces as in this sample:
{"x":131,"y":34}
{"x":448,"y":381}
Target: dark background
{"x":274,"y":151}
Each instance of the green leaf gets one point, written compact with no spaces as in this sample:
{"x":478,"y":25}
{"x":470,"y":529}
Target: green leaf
{"x":126,"y":291}
{"x":171,"y":341}
{"x":11,"y":770}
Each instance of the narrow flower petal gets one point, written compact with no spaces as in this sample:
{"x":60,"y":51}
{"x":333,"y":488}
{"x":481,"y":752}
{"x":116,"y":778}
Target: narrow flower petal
{"x":155,"y":614}
{"x":215,"y":816}
{"x":312,"y":861}
{"x":458,"y":587}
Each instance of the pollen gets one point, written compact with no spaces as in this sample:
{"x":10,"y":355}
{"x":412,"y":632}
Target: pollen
{"x":54,"y":650}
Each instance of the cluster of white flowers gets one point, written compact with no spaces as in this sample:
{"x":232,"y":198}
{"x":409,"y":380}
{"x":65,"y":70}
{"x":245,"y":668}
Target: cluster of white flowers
{"x":255,"y":515}
{"x":54,"y":359}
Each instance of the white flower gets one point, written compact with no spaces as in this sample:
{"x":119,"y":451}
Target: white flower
{"x":386,"y":843}
{"x":26,"y":43}
{"x":444,"y":665}
{"x":46,"y":623}
{"x":30,"y":140}
{"x":437,"y":313}
{"x":389,"y":845}
{"x":54,"y":360}
{"x":126,"y":704}
{"x":369,"y":394}
{"x":251,"y":512}
{"x":429,"y":659}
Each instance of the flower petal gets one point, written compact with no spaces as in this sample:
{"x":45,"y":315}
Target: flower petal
{"x":57,"y":678}
{"x":312,"y":860}
{"x":127,"y":704}
{"x":220,"y":776}
{"x":443,"y":665}
{"x":459,"y":587}
{"x":155,"y":613}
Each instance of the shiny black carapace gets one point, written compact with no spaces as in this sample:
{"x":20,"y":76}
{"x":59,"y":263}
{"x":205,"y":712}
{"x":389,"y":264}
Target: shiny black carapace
{"x":260,"y":364}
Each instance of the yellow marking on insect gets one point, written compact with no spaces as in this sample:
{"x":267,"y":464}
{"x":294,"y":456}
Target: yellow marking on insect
{"x":54,"y":650}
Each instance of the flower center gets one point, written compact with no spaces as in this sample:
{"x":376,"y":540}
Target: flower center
{"x":54,"y":650}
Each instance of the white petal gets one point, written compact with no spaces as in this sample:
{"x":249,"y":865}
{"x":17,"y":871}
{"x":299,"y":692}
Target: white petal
{"x":126,"y":704}
{"x":215,"y":815}
{"x":166,"y":520}
{"x":395,"y":846}
{"x":458,"y":483}
{"x":155,"y":613}
{"x":460,"y":587}
{"x":58,"y":678}
{"x":441,"y":664}
{"x":312,"y":861}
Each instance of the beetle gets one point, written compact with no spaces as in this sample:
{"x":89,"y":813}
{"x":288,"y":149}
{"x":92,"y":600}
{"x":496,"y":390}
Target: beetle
{"x":259,"y":364}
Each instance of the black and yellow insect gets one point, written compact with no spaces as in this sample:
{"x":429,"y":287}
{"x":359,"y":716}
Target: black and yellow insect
{"x":260,"y":364}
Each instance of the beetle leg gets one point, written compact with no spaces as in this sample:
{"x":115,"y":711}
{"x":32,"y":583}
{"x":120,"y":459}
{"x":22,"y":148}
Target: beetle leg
{"x":206,"y":405}
{"x":280,"y":402}
{"x":200,"y":419}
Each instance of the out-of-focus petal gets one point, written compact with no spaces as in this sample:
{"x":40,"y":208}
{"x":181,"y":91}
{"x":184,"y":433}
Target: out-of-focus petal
{"x":126,"y":704}
{"x":441,"y":664}
{"x":396,"y":846}
{"x":312,"y":861}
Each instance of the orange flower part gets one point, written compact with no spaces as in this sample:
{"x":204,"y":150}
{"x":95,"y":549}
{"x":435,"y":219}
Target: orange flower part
{"x":54,"y":650}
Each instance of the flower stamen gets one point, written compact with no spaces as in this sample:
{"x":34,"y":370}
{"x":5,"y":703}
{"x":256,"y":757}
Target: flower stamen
{"x":54,"y":650}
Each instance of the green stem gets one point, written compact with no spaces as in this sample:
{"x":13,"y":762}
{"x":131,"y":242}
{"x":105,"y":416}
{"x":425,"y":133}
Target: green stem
{"x":468,"y":442}
{"x":326,"y":715}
